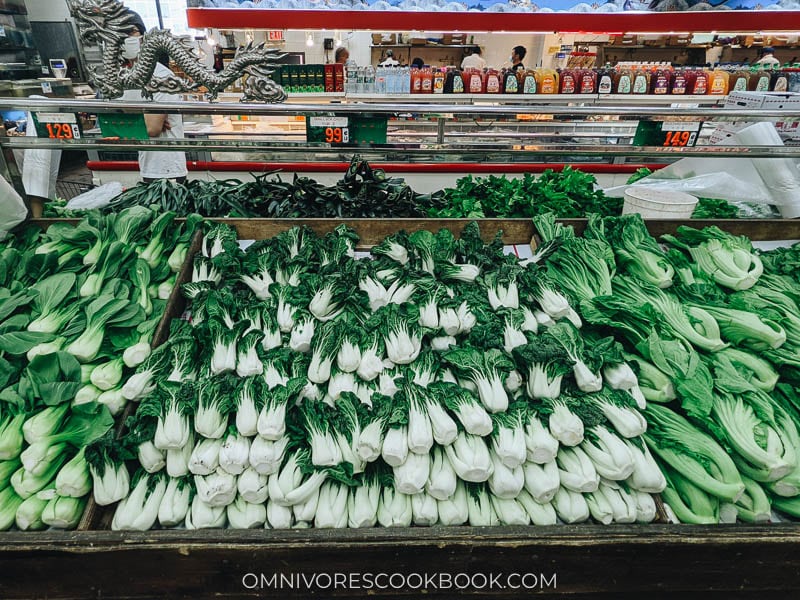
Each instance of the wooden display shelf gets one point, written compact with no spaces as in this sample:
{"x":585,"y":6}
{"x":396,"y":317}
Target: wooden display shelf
{"x":623,"y":561}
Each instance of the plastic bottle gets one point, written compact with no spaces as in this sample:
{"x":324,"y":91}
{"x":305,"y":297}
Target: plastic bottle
{"x":641,"y":81}
{"x":605,"y":80}
{"x":416,"y":81}
{"x":439,"y":77}
{"x":738,"y":80}
{"x":587,"y":82}
{"x":529,"y":82}
{"x":369,"y":80}
{"x":547,"y":81}
{"x":661,"y":82}
{"x":405,"y":80}
{"x":780,"y":81}
{"x":492,"y":82}
{"x":510,"y":82}
{"x":700,"y":87}
{"x":623,"y":81}
{"x":473,"y":81}
{"x":719,"y":80}
{"x":380,"y":80}
{"x":759,"y":80}
{"x":679,"y":83}
{"x":427,"y":81}
{"x":459,"y":86}
{"x":568,"y":81}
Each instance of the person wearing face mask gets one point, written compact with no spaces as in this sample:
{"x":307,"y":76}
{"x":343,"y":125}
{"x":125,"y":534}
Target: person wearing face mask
{"x":517,"y":54}
{"x":156,"y":164}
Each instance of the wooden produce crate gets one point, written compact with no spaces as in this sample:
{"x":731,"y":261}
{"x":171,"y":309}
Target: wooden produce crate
{"x":580,"y":561}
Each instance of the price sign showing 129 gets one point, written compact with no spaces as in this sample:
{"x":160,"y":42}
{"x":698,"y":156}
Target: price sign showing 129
{"x":57,"y":126}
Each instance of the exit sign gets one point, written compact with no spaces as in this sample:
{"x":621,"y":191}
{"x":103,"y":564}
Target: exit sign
{"x":275,"y":36}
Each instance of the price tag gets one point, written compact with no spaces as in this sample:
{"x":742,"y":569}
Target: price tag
{"x":2,"y":31}
{"x":668,"y":134}
{"x":47,"y":88}
{"x":328,"y":130}
{"x":45,"y":70}
{"x":57,"y":126}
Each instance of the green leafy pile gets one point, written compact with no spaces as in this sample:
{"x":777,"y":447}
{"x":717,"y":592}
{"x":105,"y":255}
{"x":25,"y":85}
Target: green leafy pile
{"x":363,"y":192}
{"x":568,"y":193}
{"x":441,"y":381}
{"x":78,"y":307}
{"x":712,"y":327}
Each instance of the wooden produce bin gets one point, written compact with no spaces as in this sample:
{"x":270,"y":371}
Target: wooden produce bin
{"x":578,"y":561}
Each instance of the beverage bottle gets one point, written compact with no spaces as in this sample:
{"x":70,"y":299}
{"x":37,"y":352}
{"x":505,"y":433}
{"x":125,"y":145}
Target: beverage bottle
{"x":405,"y":80}
{"x":623,"y":81}
{"x":701,"y":82}
{"x":605,"y":80}
{"x":547,"y":81}
{"x":641,"y":81}
{"x":719,"y":82}
{"x":588,"y":81}
{"x":427,"y":81}
{"x":780,"y":81}
{"x":369,"y":80}
{"x":569,"y":82}
{"x":738,"y":80}
{"x":492,"y":82}
{"x":416,"y":81}
{"x":661,"y":82}
{"x":380,"y":80}
{"x":529,"y":82}
{"x":510,"y":81}
{"x":439,"y":81}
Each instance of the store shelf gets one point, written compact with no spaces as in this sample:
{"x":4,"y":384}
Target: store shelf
{"x":507,"y":99}
{"x":349,"y":20}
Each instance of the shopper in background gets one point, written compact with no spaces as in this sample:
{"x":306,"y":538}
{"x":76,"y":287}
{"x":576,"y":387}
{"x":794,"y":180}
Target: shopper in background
{"x":39,"y":171}
{"x":517,"y":54}
{"x":390,"y":61}
{"x":417,"y":63}
{"x":474,"y":60}
{"x":156,"y":164}
{"x":768,"y":58}
{"x":342,"y":57}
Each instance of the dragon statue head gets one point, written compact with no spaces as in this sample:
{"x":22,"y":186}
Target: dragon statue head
{"x":106,"y":21}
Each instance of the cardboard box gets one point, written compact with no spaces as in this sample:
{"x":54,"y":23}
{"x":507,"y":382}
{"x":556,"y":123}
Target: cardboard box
{"x":330,"y":78}
{"x":454,"y":39}
{"x":382,"y":39}
{"x":418,"y":41}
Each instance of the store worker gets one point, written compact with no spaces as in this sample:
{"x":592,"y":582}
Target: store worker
{"x":390,"y":61}
{"x":517,"y":54}
{"x":156,"y":164}
{"x":474,"y":60}
{"x":342,"y":57}
{"x":768,"y":58}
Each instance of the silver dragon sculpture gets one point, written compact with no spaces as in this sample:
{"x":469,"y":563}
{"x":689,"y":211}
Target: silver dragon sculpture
{"x":109,"y":22}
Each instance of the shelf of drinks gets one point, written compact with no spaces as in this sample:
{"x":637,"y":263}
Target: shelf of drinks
{"x":513,"y":99}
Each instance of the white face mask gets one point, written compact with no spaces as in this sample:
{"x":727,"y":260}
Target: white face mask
{"x":130,"y":49}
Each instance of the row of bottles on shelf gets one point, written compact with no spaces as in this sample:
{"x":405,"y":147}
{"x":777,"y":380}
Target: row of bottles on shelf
{"x":624,"y":78}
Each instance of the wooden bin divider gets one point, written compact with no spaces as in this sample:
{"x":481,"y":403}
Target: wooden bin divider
{"x":99,"y":517}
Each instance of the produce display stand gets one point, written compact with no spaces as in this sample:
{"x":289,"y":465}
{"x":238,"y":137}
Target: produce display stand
{"x":620,"y":561}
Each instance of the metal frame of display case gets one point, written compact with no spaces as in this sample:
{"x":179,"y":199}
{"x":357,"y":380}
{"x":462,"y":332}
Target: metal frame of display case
{"x":620,"y":561}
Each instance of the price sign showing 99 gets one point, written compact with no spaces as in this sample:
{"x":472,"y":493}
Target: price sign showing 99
{"x":337,"y":135}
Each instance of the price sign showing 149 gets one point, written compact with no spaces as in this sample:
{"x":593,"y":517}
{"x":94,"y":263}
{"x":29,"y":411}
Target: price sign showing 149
{"x":680,"y":134}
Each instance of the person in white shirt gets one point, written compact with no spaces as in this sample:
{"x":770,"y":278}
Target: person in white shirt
{"x":474,"y":60}
{"x":390,"y":61}
{"x":768,"y":58}
{"x":156,"y":164}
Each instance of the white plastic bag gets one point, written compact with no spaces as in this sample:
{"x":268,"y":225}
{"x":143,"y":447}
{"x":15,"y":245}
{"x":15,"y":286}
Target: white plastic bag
{"x":97,"y":197}
{"x":12,"y":208}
